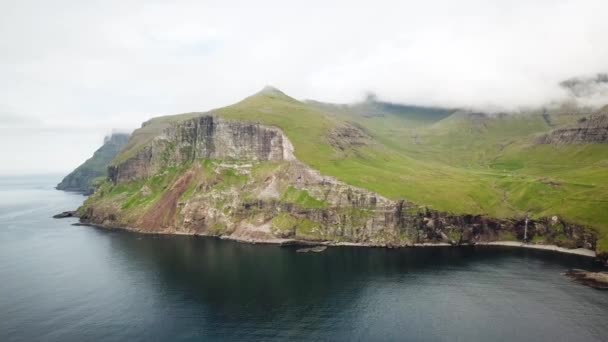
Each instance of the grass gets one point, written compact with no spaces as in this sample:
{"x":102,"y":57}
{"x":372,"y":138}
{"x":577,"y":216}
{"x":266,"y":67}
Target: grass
{"x":136,"y":197}
{"x":302,"y":198}
{"x":286,"y":225}
{"x":229,"y":178}
{"x":307,"y":229}
{"x":455,"y":162}
{"x":283,"y":225}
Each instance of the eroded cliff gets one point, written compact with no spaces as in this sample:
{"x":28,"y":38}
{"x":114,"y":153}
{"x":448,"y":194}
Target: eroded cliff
{"x":240,"y":180}
{"x":589,"y":130}
{"x":204,"y":137}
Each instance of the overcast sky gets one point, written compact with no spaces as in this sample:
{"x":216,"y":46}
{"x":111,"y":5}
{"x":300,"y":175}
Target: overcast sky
{"x":71,"y":71}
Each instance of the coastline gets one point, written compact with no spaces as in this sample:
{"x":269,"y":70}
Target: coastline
{"x":576,"y":251}
{"x":294,"y":242}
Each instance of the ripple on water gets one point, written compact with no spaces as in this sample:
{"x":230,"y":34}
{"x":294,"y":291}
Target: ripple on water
{"x":61,"y":282}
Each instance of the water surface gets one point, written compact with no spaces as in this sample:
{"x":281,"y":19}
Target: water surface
{"x":60,"y":282}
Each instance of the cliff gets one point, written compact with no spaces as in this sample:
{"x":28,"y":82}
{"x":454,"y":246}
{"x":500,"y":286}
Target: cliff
{"x":241,"y":180}
{"x":94,"y":169}
{"x":588,"y":130}
{"x":204,"y":137}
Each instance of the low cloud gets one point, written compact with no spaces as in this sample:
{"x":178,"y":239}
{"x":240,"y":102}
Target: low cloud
{"x":588,"y":89}
{"x":113,"y":64}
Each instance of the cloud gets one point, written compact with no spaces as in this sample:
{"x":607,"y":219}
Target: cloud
{"x":8,"y":119}
{"x":590,"y":89}
{"x":113,"y":64}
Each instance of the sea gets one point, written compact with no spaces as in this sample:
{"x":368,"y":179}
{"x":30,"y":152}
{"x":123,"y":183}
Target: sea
{"x":63,"y":282}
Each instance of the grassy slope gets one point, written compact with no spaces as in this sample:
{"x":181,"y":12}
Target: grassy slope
{"x":569,"y":181}
{"x":458,"y":162}
{"x":378,"y":166}
{"x":513,"y":175}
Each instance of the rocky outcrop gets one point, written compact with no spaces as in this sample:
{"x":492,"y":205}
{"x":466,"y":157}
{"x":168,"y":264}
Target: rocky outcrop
{"x":83,"y":177}
{"x":593,"y":129}
{"x":204,"y":137}
{"x":348,"y":136}
{"x":66,"y":214}
{"x":238,"y":180}
{"x":596,"y":280}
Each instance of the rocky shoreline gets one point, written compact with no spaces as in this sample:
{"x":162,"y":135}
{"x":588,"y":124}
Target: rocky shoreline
{"x":66,"y":214}
{"x":577,"y":251}
{"x":312,"y":244}
{"x":596,"y":280}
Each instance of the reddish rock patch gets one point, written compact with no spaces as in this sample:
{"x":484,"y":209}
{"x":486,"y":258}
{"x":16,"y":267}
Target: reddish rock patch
{"x":162,"y":214}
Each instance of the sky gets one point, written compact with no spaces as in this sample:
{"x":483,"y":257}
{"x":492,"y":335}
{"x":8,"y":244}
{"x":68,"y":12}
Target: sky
{"x":71,"y":71}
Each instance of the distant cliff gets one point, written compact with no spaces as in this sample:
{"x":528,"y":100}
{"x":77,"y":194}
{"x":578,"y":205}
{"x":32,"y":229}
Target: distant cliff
{"x":95,"y":168}
{"x":588,"y":130}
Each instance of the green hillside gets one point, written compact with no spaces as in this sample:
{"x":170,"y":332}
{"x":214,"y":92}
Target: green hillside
{"x":449,"y":160}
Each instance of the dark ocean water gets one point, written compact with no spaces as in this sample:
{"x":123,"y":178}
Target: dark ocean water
{"x":60,"y":282}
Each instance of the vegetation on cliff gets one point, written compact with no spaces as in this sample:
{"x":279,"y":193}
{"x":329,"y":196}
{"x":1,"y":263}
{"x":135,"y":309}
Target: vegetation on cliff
{"x":269,"y":201}
{"x":451,"y":161}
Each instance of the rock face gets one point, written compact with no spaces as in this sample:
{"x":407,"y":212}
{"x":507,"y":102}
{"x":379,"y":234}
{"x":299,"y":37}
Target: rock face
{"x":65,"y":214}
{"x":83,"y":177}
{"x":596,"y":280}
{"x":205,"y":137}
{"x":240,"y":180}
{"x":589,"y":130}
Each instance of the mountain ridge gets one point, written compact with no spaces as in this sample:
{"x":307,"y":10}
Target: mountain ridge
{"x":495,"y":172}
{"x":241,"y":186}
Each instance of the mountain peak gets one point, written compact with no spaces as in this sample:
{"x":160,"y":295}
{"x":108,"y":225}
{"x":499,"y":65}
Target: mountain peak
{"x":272,"y":92}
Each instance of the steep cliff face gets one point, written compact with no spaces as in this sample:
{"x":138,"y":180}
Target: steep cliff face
{"x":83,"y":177}
{"x":204,"y":137}
{"x":593,"y":129}
{"x":240,"y":180}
